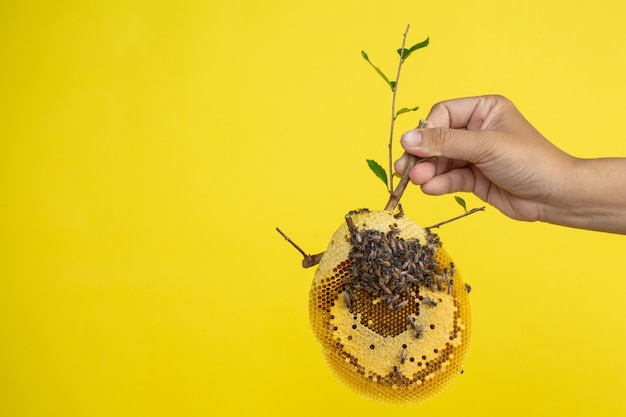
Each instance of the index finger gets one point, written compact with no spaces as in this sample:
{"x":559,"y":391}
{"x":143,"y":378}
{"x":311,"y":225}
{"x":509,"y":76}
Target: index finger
{"x":471,"y":113}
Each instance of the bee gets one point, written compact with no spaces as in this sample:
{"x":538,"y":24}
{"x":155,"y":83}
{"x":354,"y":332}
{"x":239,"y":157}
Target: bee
{"x":438,"y":280}
{"x":408,"y":265}
{"x":375,"y":237}
{"x":429,"y":302}
{"x":419,"y":330}
{"x":348,"y":300}
{"x":411,"y":279}
{"x":357,"y":255}
{"x":392,"y":232}
{"x":450,"y":286}
{"x":400,"y":212}
{"x":383,"y":280}
{"x":391,"y":301}
{"x":400,"y":305}
{"x":452,"y":269}
{"x":468,"y":288}
{"x":384,"y":247}
{"x":403,"y":356}
{"x":411,"y":321}
{"x":444,"y":276}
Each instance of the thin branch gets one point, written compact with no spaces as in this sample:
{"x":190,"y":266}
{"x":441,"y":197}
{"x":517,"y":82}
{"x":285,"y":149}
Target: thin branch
{"x":395,"y":196}
{"x":351,"y":225}
{"x":393,"y":110}
{"x":308,"y":260}
{"x":292,"y":242}
{"x":472,"y":211}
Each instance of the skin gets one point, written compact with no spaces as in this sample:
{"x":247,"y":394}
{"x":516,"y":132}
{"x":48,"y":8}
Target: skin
{"x":484,"y":145}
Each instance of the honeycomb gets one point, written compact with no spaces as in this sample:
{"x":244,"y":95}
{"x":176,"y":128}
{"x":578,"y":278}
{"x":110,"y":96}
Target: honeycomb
{"x":390,"y":309}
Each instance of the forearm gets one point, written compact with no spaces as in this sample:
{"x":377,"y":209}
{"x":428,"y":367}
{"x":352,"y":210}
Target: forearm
{"x":593,"y":197}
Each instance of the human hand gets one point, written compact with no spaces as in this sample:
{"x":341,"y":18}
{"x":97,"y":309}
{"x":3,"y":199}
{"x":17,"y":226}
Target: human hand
{"x":485,"y":146}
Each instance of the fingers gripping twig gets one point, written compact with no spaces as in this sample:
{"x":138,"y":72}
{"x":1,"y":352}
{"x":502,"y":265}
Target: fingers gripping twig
{"x":394,"y":199}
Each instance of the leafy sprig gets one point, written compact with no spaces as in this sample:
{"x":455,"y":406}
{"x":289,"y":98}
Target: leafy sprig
{"x":404,"y":53}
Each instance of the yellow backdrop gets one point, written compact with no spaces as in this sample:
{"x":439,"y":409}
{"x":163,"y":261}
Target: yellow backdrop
{"x":149,"y":149}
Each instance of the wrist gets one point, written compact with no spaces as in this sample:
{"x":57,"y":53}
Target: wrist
{"x":592,"y":196}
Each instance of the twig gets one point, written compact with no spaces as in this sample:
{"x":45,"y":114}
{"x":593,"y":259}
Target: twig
{"x":472,"y":211}
{"x":308,"y":260}
{"x":351,"y":225}
{"x":399,"y":190}
{"x":393,"y":110}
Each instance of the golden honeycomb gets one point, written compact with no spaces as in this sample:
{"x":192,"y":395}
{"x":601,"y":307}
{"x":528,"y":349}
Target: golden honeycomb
{"x":390,"y":309}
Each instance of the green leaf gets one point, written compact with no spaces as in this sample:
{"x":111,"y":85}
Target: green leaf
{"x":409,"y":51}
{"x":378,"y":170}
{"x":405,"y":110}
{"x":391,"y":84}
{"x":461,"y":202}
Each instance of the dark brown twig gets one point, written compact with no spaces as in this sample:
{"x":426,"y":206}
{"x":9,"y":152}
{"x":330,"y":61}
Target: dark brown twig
{"x":472,"y":211}
{"x":351,"y":225}
{"x":308,"y":260}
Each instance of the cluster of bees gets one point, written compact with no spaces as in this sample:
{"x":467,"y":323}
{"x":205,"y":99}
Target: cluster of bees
{"x":383,"y":305}
{"x":387,"y":266}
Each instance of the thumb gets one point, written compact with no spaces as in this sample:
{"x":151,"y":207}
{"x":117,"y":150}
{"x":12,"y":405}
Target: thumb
{"x":466,"y":145}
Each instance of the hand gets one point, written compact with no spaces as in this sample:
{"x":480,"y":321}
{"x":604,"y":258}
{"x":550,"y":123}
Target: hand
{"x":484,"y":145}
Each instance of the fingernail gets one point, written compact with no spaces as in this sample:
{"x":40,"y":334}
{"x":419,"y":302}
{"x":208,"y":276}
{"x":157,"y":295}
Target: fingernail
{"x":412,"y":138}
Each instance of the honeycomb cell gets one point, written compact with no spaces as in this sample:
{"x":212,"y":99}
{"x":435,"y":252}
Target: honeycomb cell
{"x":383,"y":342}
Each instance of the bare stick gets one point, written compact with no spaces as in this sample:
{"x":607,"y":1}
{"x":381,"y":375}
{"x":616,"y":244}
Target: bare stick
{"x":399,"y":190}
{"x":472,"y":211}
{"x":351,"y":226}
{"x":308,"y":260}
{"x":393,"y":110}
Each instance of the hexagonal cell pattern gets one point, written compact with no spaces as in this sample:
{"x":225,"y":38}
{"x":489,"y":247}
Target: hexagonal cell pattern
{"x":394,"y":340}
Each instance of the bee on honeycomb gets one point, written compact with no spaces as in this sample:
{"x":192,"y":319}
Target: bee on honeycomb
{"x":368,"y":311}
{"x":393,"y":324}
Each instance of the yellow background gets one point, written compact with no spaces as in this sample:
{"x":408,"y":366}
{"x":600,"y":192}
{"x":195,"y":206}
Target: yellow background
{"x":148,"y":150}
